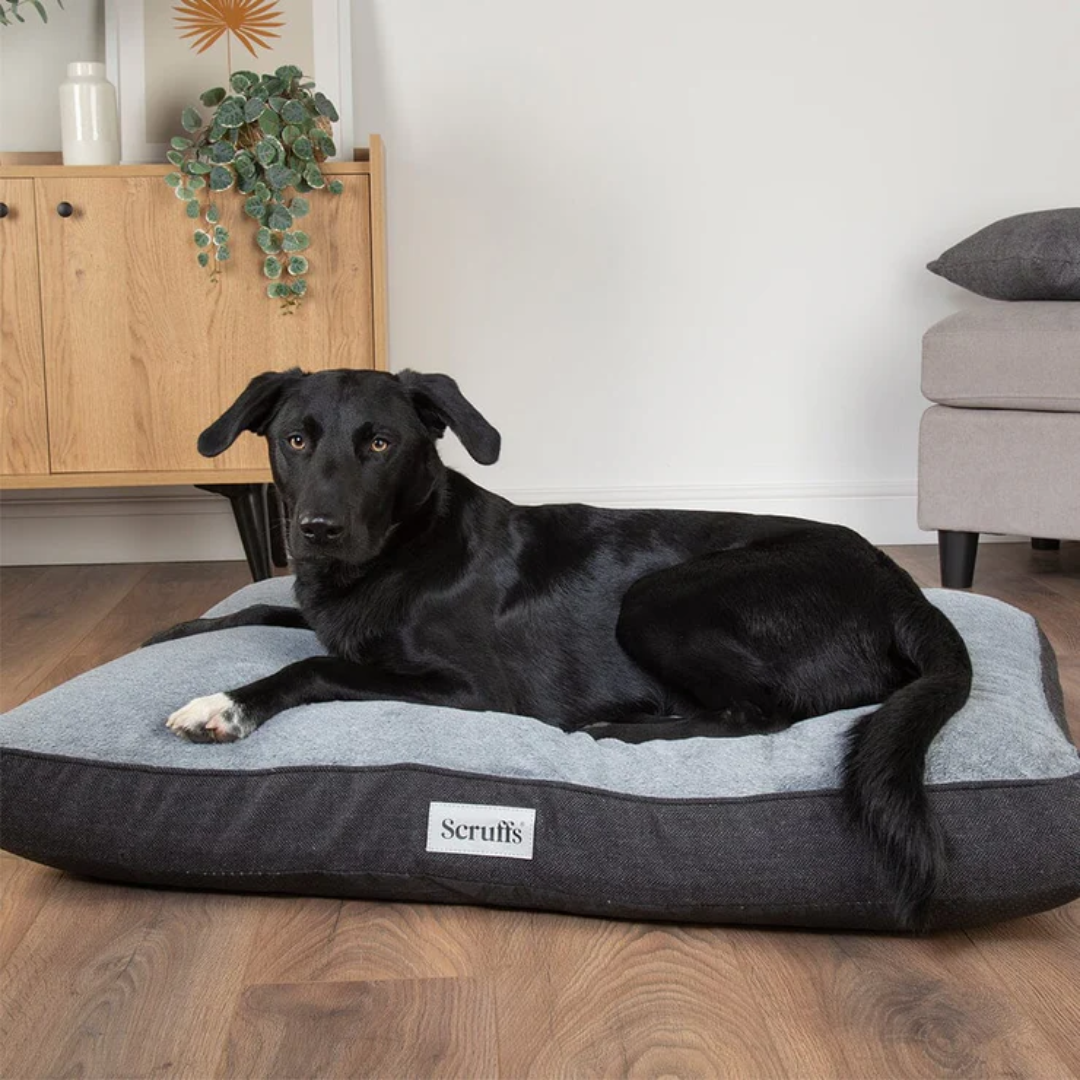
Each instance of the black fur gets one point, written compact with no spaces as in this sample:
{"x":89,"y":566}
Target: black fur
{"x":631,"y":624}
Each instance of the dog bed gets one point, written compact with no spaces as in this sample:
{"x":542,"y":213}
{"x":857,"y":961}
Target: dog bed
{"x":391,"y":801}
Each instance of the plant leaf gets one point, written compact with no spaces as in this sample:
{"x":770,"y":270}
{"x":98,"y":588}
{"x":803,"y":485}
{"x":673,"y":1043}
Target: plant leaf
{"x":223,"y":254}
{"x":221,"y":153}
{"x":173,"y":179}
{"x":221,"y":235}
{"x":272,"y":267}
{"x":196,"y":182}
{"x":244,"y":163}
{"x":178,"y":142}
{"x":303,"y":149}
{"x":213,"y":215}
{"x":299,"y":287}
{"x":230,"y":114}
{"x":270,"y":123}
{"x":297,"y":265}
{"x":202,"y":238}
{"x":184,"y":192}
{"x":192,"y":209}
{"x":336,"y":186}
{"x":268,"y":150}
{"x":190,"y":120}
{"x":279,"y":218}
{"x":280,"y":177}
{"x":289,"y":134}
{"x":325,"y":107}
{"x":313,"y":176}
{"x":199,"y":168}
{"x":254,"y":207}
{"x":293,"y":112}
{"x":254,"y":109}
{"x":277,"y":102}
{"x":299,"y":207}
{"x":211,"y":98}
{"x":297,"y":240}
{"x":221,"y":178}
{"x":174,"y":157}
{"x":267,"y":241}
{"x":204,"y":258}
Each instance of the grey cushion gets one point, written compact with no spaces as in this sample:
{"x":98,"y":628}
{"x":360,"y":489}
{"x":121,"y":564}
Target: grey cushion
{"x":1026,"y":257}
{"x":336,"y":798}
{"x":1005,"y":356}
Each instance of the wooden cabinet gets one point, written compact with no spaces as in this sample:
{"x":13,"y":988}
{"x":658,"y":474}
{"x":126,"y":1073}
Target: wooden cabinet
{"x":117,"y":348}
{"x":23,"y":432}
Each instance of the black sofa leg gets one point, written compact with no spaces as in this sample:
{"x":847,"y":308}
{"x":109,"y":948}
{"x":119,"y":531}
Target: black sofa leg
{"x":1040,"y":543}
{"x":249,"y":509}
{"x":957,"y":551}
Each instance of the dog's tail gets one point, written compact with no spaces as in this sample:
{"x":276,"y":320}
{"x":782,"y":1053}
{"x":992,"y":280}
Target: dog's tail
{"x":886,"y":756}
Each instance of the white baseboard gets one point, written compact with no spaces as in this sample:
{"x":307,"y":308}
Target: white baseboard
{"x":179,"y":525}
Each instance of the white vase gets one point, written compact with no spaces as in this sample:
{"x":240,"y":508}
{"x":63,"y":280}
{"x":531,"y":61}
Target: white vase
{"x":88,"y":126}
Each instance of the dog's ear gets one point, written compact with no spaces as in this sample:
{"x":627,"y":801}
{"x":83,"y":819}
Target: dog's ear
{"x":251,"y":411}
{"x":442,"y":405}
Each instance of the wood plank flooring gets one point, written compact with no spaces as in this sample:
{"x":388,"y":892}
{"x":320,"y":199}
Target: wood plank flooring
{"x":102,"y":980}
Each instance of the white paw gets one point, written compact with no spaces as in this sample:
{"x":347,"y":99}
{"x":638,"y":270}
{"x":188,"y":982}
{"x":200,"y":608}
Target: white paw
{"x":216,"y":718}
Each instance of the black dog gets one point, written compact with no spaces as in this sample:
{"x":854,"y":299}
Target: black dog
{"x":631,"y":624}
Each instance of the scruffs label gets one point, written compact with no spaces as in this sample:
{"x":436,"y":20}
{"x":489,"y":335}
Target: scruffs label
{"x":470,"y":829}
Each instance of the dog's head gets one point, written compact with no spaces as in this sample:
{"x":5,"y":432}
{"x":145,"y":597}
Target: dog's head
{"x":352,"y":452}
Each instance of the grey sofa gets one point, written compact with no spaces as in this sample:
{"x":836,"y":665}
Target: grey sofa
{"x":999,"y":451}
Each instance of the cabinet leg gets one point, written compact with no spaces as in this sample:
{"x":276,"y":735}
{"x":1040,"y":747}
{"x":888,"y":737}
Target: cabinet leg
{"x":957,"y":551}
{"x":277,"y":520}
{"x":249,"y":509}
{"x":1041,"y":543}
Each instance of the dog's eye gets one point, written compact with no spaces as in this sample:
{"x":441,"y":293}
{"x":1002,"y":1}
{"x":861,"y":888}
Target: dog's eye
{"x":297,"y":441}
{"x":380,"y":445}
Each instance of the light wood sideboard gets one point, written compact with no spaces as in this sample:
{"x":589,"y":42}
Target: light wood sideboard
{"x":116,"y":349}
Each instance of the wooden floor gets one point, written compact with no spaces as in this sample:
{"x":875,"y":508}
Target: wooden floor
{"x":105,"y":981}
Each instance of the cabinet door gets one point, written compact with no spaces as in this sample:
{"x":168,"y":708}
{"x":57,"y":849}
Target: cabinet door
{"x":142,"y":351}
{"x":24,"y":438}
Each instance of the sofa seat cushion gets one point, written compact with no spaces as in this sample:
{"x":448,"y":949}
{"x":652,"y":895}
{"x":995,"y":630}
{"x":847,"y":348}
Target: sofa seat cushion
{"x":1005,"y":356}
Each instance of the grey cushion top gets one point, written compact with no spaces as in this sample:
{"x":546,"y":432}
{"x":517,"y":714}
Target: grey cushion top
{"x":1005,"y":356}
{"x":1011,"y":728}
{"x":1032,"y":256}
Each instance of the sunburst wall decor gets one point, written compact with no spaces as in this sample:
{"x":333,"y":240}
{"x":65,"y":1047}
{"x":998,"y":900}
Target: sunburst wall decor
{"x":251,"y":22}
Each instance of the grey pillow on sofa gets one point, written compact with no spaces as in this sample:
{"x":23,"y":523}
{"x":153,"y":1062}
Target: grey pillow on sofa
{"x":1027,"y":257}
{"x":377,"y":799}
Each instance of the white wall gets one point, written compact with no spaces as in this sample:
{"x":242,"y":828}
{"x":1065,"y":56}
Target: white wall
{"x":675,"y":252}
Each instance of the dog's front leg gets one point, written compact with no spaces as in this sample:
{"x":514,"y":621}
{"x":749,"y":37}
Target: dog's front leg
{"x":235,"y":714}
{"x":256,"y":615}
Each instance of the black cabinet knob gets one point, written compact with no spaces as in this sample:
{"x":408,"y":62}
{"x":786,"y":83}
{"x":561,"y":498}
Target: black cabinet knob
{"x":3,"y":209}
{"x":65,"y":209}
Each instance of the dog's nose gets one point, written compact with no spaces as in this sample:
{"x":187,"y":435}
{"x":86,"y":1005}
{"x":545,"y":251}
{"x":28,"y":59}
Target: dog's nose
{"x":320,"y":529}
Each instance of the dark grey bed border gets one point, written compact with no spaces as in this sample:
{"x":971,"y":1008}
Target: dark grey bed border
{"x":1012,"y":845}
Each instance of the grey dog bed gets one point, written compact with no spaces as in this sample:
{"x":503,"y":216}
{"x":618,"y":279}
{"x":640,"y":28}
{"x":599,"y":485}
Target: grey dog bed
{"x":393,"y":801}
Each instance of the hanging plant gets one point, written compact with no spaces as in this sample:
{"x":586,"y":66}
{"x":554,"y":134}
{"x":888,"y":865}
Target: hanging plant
{"x":10,"y":9}
{"x":266,"y":140}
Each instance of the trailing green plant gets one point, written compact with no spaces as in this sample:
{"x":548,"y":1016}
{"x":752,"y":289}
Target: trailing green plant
{"x":266,"y":140}
{"x":11,"y":9}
